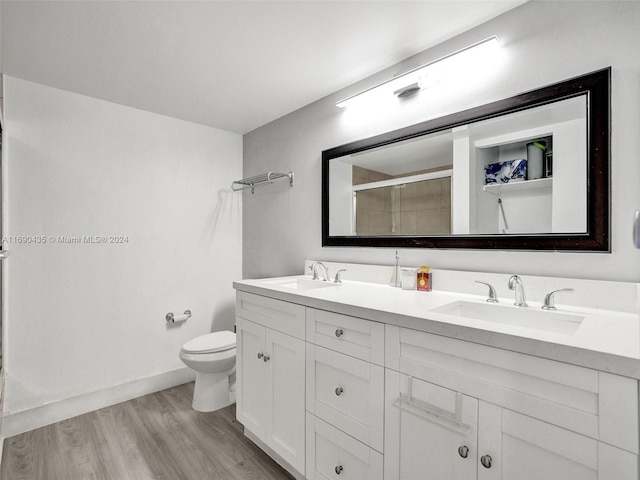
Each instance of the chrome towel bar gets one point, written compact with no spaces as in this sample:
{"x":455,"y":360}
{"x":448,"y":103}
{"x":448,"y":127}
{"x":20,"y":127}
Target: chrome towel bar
{"x":259,"y":180}
{"x":449,"y":420}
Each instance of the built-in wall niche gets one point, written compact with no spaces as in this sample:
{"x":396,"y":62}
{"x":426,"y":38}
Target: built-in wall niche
{"x":520,"y":205}
{"x":556,"y":204}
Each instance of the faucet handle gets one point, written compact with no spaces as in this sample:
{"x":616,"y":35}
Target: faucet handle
{"x":338,"y":279}
{"x":549,"y":298}
{"x":493,"y":298}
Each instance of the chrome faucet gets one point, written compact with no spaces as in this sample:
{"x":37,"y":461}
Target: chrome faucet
{"x":323,"y":267}
{"x":515,"y":283}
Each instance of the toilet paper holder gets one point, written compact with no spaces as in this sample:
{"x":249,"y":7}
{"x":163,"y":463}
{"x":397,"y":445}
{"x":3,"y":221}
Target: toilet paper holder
{"x":171,"y":318}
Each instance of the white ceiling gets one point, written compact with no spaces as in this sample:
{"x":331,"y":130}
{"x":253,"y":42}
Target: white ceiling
{"x":233,"y":65}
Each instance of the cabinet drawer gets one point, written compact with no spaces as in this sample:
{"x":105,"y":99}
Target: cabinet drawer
{"x":346,"y":392}
{"x":333,"y":454}
{"x":282,"y":316}
{"x":353,"y":336}
{"x":596,"y":404}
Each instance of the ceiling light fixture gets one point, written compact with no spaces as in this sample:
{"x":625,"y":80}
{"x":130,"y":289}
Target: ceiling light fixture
{"x":408,"y":90}
{"x":424,"y":76}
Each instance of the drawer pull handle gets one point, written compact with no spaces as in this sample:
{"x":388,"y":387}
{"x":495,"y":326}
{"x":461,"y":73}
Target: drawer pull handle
{"x":339,"y":391}
{"x":339,"y":332}
{"x":260,"y":355}
{"x":485,"y":460}
{"x":266,"y":358}
{"x":463,"y":451}
{"x":339,"y":469}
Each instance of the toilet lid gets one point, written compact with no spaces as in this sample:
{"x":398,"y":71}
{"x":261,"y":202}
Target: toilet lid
{"x":211,"y":342}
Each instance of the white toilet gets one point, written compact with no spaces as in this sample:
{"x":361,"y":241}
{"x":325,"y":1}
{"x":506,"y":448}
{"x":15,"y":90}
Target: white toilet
{"x":213,"y":357}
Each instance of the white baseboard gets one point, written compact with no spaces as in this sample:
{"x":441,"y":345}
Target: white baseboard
{"x":26,"y":420}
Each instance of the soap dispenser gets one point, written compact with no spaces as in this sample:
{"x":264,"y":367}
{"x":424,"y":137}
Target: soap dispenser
{"x":395,"y":275}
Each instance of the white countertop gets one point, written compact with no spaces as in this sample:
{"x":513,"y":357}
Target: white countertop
{"x":606,"y":340}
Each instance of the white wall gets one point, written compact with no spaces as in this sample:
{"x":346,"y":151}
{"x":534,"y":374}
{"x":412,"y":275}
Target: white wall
{"x":82,"y":318}
{"x":541,"y":43}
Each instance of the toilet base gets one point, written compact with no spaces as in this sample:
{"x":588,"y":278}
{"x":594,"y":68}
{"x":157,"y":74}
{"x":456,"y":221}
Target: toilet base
{"x":211,"y":392}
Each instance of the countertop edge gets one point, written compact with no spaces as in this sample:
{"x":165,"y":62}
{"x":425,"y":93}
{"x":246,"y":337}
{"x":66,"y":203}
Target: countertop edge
{"x":605,"y":362}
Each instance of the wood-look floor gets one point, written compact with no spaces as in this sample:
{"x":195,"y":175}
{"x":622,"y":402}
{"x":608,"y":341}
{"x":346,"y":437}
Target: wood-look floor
{"x":157,"y":436}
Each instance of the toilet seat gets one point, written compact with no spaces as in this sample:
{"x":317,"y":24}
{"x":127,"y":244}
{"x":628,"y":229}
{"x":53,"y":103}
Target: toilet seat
{"x":211,"y":343}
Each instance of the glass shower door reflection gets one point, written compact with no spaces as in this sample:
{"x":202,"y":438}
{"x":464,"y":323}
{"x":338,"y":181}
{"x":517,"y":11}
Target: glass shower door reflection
{"x":418,"y":208}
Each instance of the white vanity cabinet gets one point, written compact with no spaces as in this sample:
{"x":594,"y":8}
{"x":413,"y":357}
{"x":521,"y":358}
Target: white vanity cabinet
{"x":270,"y":369}
{"x":333,"y":396}
{"x":345,"y":397}
{"x":468,"y":411}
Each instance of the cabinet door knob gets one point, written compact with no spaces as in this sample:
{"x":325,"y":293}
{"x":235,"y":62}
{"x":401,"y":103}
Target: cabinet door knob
{"x":260,"y":355}
{"x":339,"y":469}
{"x":463,"y":451}
{"x":339,"y":391}
{"x":339,"y":332}
{"x":266,"y":358}
{"x":485,"y":460}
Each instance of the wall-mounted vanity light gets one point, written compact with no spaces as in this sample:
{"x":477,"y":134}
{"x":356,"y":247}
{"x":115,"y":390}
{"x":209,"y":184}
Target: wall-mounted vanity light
{"x":425,"y":76}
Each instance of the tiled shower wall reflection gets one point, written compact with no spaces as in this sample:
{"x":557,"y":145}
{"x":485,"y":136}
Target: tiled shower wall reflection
{"x":420,"y":208}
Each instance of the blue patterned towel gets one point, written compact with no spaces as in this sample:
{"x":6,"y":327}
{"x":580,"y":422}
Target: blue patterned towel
{"x":505,"y":172}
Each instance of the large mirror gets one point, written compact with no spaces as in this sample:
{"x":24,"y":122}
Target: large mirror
{"x":527,"y":172}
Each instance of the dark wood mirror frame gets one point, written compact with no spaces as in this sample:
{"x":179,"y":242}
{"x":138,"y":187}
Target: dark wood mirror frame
{"x":596,"y":85}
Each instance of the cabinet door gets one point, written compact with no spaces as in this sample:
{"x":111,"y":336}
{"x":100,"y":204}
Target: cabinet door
{"x":285,"y":429}
{"x":523,"y":448}
{"x":430,"y":431}
{"x":251,"y":404}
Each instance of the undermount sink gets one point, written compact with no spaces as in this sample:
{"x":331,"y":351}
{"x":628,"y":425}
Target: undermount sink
{"x":555,"y":322}
{"x":308,"y":284}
